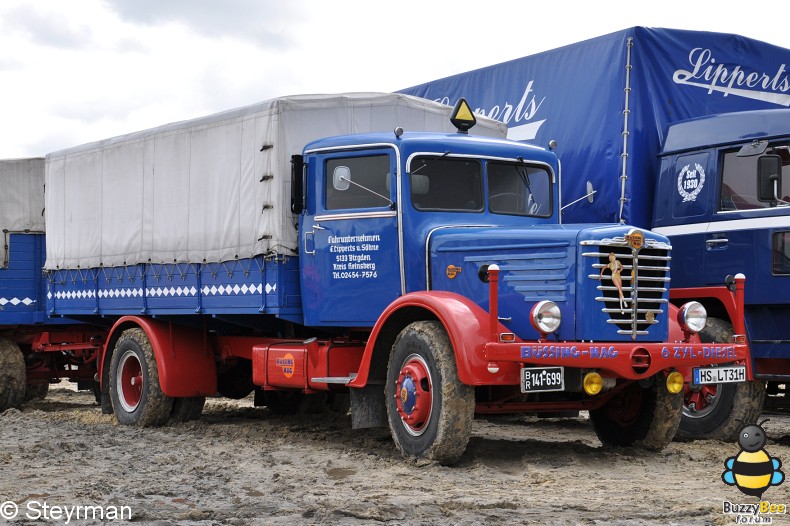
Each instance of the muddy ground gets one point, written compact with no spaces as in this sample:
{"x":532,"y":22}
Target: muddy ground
{"x":244,"y":465}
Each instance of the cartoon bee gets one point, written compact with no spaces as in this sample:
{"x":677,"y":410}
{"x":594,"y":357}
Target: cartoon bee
{"x":752,"y":470}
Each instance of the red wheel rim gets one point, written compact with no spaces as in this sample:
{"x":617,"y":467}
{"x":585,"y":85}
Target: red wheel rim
{"x":129,"y":380}
{"x":414,"y":394}
{"x":700,"y":401}
{"x":625,"y":408}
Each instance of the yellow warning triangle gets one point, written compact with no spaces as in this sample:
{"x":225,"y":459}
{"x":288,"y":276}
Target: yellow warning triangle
{"x":464,"y":113}
{"x":463,"y":118}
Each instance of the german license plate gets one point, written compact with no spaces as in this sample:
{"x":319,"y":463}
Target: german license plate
{"x":719,"y":375}
{"x":541,"y":379}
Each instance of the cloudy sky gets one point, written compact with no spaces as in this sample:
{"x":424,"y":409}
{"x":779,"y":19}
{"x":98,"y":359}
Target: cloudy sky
{"x":77,"y":71}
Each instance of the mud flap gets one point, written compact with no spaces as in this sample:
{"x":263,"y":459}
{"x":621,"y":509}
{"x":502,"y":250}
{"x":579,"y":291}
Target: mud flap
{"x":367,"y":407}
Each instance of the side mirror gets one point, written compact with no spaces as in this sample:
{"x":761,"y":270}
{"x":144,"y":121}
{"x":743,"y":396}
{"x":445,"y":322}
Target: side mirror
{"x":769,"y":178}
{"x":297,"y":184}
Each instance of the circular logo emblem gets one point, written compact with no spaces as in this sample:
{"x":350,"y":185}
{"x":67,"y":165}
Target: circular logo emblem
{"x":690,"y":182}
{"x":404,"y":395}
{"x":635,"y":239}
{"x":287,"y":364}
{"x":452,"y":271}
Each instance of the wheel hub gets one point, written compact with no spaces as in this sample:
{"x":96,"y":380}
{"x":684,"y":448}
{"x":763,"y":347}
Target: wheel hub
{"x":700,"y":401}
{"x":414,"y":397}
{"x":129,"y":381}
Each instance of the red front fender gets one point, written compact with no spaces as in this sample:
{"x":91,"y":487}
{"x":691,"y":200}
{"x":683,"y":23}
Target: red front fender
{"x":467,"y":326}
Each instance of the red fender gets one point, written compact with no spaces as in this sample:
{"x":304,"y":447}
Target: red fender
{"x":466,"y":323}
{"x":184,"y":356}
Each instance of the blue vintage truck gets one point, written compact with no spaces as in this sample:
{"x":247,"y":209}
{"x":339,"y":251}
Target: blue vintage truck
{"x":35,"y":349}
{"x":314,"y":246}
{"x":685,"y":133}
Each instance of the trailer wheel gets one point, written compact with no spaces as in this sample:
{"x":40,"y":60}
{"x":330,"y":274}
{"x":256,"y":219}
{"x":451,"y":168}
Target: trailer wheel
{"x":186,"y":409}
{"x":719,"y":411}
{"x":137,"y":397}
{"x":12,"y":375}
{"x":36,"y":391}
{"x":646,"y":417}
{"x":430,"y":411}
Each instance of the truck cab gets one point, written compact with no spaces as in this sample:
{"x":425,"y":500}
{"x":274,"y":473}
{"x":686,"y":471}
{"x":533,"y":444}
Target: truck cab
{"x":379,"y":208}
{"x":722,"y":198}
{"x":425,"y":237}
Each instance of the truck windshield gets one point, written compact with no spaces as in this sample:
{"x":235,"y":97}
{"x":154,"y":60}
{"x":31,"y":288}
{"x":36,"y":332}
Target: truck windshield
{"x":518,"y":189}
{"x":446,"y":183}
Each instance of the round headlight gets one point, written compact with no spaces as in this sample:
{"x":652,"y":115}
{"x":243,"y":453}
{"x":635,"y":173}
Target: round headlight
{"x":692,"y":317}
{"x":546,"y":317}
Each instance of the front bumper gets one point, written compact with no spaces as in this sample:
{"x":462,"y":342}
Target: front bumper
{"x":620,"y":360}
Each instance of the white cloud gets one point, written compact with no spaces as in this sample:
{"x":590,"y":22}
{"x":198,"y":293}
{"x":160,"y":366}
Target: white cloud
{"x":73,"y":72}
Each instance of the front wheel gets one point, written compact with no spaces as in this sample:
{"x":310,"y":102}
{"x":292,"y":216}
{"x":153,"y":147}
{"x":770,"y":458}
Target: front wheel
{"x":646,"y":417}
{"x":12,"y":375}
{"x":430,"y":411}
{"x":718,"y":411}
{"x":137,"y":397}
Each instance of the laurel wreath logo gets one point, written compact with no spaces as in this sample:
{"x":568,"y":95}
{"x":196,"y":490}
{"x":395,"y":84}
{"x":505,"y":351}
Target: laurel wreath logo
{"x":698,"y":174}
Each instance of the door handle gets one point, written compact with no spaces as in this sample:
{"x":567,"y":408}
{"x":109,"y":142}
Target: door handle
{"x":717,"y":242}
{"x":311,"y":233}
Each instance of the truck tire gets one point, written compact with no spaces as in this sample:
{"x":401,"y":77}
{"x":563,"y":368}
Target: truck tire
{"x":186,"y":409}
{"x":36,"y":391}
{"x":430,"y":411}
{"x":646,"y":417}
{"x":719,"y":411}
{"x":12,"y":375}
{"x":137,"y":397}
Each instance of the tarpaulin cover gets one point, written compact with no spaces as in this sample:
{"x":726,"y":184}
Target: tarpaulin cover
{"x":211,"y":189}
{"x":579,"y":96}
{"x":21,"y":197}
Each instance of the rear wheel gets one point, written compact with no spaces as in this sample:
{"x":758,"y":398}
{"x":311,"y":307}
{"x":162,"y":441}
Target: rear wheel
{"x":430,"y":411}
{"x":718,"y":411}
{"x":12,"y":375}
{"x":137,"y":397}
{"x":646,"y":417}
{"x":36,"y":391}
{"x":186,"y":409}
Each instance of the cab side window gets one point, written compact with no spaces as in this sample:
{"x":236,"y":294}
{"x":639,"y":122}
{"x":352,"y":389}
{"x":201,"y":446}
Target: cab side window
{"x":357,"y":182}
{"x":739,"y":180}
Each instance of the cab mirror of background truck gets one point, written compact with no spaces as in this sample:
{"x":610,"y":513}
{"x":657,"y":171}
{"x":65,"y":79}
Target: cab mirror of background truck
{"x":769,"y":178}
{"x":297,"y":184}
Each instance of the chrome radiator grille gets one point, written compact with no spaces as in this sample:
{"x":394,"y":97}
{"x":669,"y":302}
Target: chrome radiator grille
{"x":633,"y":276}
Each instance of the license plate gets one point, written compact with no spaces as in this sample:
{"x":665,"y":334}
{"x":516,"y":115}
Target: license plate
{"x":541,"y":379}
{"x":719,"y":375}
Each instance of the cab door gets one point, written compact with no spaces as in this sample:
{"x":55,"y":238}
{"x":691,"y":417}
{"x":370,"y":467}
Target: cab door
{"x":350,"y":258}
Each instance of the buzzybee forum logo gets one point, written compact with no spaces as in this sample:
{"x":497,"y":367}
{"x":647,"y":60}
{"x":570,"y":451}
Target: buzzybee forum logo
{"x":753,"y":470}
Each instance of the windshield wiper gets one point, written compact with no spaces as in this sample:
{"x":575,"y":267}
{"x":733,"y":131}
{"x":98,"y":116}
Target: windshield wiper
{"x":430,"y":161}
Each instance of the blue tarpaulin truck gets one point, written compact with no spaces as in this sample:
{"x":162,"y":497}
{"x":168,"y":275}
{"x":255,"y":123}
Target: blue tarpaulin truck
{"x":35,"y":349}
{"x":310,"y":247}
{"x":686,"y":133}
